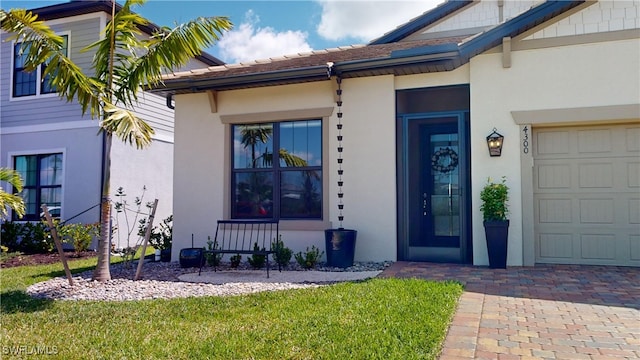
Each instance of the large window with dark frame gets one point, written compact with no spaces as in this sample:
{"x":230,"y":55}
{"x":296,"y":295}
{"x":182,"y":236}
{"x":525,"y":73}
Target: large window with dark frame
{"x":25,"y":82}
{"x":42,"y":178}
{"x":285,"y":183}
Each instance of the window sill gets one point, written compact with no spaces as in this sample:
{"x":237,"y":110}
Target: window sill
{"x":304,"y":225}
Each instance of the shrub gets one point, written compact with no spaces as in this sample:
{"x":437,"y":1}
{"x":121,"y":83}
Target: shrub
{"x":282,"y":254}
{"x":35,"y":239}
{"x":309,"y":258}
{"x":494,"y":198}
{"x":11,"y":233}
{"x":79,"y":235}
{"x":235,"y":260}
{"x":257,"y":261}
{"x":213,"y":259}
{"x":161,"y":236}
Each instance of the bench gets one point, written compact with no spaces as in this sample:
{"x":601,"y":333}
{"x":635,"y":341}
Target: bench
{"x":240,"y":237}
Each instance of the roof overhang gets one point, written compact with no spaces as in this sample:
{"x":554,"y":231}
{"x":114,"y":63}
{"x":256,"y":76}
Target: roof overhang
{"x":435,"y":58}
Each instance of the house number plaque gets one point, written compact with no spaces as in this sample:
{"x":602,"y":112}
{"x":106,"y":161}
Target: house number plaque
{"x":525,"y":140}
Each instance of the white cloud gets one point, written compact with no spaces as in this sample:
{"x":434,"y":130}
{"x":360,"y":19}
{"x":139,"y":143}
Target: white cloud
{"x":367,"y":20}
{"x":250,"y":42}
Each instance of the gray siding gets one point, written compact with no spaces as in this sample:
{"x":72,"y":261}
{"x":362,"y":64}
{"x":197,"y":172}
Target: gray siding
{"x":82,"y":150}
{"x":38,"y":110}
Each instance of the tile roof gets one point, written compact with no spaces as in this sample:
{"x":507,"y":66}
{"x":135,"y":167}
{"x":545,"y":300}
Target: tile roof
{"x":310,"y":59}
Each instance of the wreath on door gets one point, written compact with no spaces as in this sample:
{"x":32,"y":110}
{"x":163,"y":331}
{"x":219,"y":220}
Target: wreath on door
{"x":444,"y":160}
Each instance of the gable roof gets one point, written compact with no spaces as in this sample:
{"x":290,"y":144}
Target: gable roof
{"x":384,"y":56}
{"x":428,"y":18}
{"x":81,"y":7}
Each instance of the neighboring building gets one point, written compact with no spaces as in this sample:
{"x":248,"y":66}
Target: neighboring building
{"x":558,"y":79}
{"x":58,"y":149}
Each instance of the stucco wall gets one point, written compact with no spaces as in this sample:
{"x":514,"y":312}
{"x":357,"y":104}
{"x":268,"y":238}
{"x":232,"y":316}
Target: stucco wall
{"x":199,"y":176}
{"x":576,"y":76}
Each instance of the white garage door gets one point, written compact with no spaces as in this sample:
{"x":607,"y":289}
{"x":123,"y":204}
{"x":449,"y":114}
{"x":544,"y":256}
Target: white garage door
{"x":587,"y":194}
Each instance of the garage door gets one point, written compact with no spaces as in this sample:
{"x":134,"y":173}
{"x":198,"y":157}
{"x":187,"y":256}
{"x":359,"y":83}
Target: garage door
{"x":587,"y":194}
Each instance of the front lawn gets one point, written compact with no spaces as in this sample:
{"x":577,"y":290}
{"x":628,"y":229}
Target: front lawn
{"x":375,"y":319}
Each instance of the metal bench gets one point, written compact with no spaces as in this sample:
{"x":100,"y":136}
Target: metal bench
{"x":240,"y":237}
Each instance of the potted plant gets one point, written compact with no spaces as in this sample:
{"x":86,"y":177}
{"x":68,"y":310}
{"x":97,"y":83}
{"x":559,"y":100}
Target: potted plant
{"x":494,"y":209}
{"x":161,"y":237}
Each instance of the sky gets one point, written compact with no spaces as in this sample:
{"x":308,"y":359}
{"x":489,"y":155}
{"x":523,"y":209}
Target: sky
{"x":265,"y":29}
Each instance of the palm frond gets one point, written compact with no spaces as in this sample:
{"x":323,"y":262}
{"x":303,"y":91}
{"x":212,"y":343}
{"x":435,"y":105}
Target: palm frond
{"x":7,"y":200}
{"x":169,"y":49}
{"x":126,"y":126}
{"x":40,"y":44}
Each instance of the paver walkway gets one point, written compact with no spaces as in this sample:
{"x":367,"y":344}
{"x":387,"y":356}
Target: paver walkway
{"x":542,"y":312}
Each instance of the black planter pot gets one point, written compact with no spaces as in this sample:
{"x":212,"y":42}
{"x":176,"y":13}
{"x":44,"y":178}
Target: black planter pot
{"x":165,"y":255}
{"x":340,"y":247}
{"x":191,"y":257}
{"x":497,"y":233}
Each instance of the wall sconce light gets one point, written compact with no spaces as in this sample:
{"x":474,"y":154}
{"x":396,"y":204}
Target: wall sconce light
{"x":494,"y":141}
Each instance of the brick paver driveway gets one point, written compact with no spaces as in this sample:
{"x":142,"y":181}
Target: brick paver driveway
{"x":542,"y":312}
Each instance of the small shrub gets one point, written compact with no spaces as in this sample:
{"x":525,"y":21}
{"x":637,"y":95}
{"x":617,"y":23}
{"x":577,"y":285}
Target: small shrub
{"x":310,"y":258}
{"x":282,"y":254}
{"x":213,"y":259}
{"x":35,"y":239}
{"x":80,"y":235}
{"x":161,"y":236}
{"x":11,"y":233}
{"x":235,"y":260}
{"x":257,"y":261}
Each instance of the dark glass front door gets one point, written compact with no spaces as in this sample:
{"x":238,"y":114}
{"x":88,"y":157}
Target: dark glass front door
{"x":435,"y":204}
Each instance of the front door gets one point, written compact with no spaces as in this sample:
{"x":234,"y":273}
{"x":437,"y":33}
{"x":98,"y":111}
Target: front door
{"x":435,"y":215}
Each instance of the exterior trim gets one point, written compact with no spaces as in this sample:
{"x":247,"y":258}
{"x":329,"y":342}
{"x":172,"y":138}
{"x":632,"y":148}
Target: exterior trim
{"x":271,"y":116}
{"x":526,"y":194}
{"x":37,"y":95}
{"x":533,"y":44}
{"x":428,"y":59}
{"x":277,"y":116}
{"x":63,"y":151}
{"x":67,"y":125}
{"x":560,"y":117}
{"x":429,"y":18}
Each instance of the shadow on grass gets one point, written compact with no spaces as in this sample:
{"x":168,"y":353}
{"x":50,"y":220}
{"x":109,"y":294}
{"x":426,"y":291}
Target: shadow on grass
{"x":61,"y":273}
{"x":18,"y":301}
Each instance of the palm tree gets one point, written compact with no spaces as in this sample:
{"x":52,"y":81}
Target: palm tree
{"x":252,"y":135}
{"x":123,"y":64}
{"x":15,"y":202}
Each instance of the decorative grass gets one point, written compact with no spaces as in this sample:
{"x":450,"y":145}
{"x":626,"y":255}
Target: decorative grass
{"x":374,"y":319}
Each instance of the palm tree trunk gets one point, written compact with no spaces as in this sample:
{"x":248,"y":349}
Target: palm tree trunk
{"x":102,"y":271}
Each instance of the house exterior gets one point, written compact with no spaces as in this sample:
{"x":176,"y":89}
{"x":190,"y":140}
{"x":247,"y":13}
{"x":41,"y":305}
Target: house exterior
{"x":43,"y":135}
{"x":391,"y":137}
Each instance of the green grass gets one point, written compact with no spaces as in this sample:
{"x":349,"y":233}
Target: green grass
{"x":375,"y":319}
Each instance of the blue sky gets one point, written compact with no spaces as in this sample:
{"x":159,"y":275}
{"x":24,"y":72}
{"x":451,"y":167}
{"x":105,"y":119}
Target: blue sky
{"x":264,"y":29}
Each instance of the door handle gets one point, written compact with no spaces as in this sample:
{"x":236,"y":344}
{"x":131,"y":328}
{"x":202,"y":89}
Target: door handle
{"x":424,"y":204}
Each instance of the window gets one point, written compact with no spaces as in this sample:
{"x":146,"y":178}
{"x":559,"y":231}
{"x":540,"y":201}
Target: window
{"x":285,"y":184}
{"x":42,"y":177}
{"x":24,"y":83}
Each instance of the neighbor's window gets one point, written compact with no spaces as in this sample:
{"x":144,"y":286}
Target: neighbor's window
{"x":42,"y":178}
{"x":25,"y":83}
{"x":281,"y":184}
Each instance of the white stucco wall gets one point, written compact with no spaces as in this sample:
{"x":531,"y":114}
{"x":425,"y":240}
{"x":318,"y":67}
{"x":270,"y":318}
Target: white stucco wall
{"x":132,"y":169}
{"x":369,"y":165}
{"x":550,"y":78}
{"x":562,"y":77}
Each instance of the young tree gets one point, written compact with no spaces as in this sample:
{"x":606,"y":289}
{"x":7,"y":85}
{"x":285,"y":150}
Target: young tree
{"x":15,"y":202}
{"x":123,"y":64}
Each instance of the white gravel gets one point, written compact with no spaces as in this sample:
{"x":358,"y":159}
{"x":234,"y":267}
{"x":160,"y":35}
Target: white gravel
{"x":168,"y":280}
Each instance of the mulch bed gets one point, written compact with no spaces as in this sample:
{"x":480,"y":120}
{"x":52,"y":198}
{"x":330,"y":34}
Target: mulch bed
{"x":42,"y":259}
